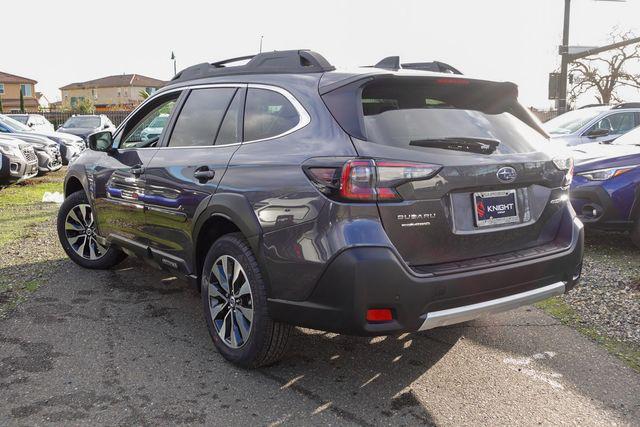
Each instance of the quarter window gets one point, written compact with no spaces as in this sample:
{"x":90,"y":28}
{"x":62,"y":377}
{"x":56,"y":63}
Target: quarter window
{"x":267,"y":114}
{"x":200,"y":117}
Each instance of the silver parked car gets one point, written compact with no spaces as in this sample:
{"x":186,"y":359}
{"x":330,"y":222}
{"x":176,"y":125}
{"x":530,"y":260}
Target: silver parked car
{"x":594,"y":123}
{"x":18,"y":160}
{"x":37,"y":122}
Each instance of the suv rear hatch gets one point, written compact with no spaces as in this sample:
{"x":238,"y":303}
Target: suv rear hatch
{"x":500,"y":187}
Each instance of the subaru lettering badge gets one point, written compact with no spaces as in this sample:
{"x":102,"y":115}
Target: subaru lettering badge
{"x":506,"y":174}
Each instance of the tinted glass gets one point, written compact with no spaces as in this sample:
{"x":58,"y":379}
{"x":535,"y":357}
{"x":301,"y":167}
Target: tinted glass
{"x":87,"y":122}
{"x":200,"y":118}
{"x":616,"y":123}
{"x":141,"y":133}
{"x":423,"y":117}
{"x":570,"y":122}
{"x":267,"y":114}
{"x":230,"y":130}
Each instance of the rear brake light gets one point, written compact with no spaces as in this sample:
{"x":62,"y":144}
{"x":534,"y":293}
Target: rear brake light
{"x":368,"y":180}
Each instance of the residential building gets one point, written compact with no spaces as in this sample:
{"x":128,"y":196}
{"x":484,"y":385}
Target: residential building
{"x":10,"y":87}
{"x":111,"y":92}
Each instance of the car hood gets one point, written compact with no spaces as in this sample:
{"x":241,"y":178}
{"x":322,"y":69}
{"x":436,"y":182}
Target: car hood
{"x":59,"y":136}
{"x":595,"y":150}
{"x":33,"y":139}
{"x":598,"y":156}
{"x":82,"y":132}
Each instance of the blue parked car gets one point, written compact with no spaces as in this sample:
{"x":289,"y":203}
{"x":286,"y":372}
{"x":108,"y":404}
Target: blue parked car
{"x":605,"y":191}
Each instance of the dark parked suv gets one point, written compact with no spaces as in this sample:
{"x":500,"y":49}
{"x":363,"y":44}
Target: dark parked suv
{"x":367,"y":202}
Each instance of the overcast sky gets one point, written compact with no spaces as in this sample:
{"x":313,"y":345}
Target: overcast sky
{"x":60,"y":42}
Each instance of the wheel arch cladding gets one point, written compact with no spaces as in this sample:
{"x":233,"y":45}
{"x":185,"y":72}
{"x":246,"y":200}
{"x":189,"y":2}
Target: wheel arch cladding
{"x":72,"y":185}
{"x":226,"y":213}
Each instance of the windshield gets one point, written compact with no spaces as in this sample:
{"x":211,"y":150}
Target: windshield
{"x":88,"y":122}
{"x":14,"y":125}
{"x":629,"y":138}
{"x":435,"y":117}
{"x":20,"y":118}
{"x":159,"y":122}
{"x":570,"y":122}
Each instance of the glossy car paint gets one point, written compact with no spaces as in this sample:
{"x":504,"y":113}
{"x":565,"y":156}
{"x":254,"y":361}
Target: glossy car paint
{"x":297,"y":233}
{"x":616,"y":200}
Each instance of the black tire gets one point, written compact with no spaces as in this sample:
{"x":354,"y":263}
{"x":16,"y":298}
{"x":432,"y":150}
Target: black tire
{"x":267,"y":339}
{"x":635,"y":233}
{"x":109,"y":257}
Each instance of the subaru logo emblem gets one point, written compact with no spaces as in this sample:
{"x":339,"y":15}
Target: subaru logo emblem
{"x":507,"y":174}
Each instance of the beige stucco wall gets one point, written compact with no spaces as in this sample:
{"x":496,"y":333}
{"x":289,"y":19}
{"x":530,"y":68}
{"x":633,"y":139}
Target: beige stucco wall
{"x":12,"y":91}
{"x":104,"y":95}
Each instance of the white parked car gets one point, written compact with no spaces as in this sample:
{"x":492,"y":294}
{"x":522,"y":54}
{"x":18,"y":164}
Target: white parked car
{"x":37,"y":122}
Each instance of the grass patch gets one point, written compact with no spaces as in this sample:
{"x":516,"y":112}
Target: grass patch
{"x":559,"y":309}
{"x":21,"y":206}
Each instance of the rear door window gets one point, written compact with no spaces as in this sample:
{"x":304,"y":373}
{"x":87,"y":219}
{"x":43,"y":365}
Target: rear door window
{"x":200,"y":117}
{"x":268,"y":114}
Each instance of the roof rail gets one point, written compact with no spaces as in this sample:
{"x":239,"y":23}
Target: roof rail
{"x":277,"y":62}
{"x":592,"y":105}
{"x":393,"y":63}
{"x":627,"y":105}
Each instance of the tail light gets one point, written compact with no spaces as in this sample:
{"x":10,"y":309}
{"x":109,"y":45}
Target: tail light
{"x":368,"y":180}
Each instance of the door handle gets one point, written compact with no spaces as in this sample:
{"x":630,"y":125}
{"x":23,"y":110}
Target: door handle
{"x":137,"y":170}
{"x":204,"y":174}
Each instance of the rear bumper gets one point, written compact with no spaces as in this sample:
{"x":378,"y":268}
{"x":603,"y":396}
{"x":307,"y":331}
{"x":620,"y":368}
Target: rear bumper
{"x":363,"y":278}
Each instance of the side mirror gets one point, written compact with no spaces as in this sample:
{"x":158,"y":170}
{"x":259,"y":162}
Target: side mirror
{"x":101,"y":141}
{"x":31,"y":124}
{"x":596,"y":133}
{"x":106,"y":126}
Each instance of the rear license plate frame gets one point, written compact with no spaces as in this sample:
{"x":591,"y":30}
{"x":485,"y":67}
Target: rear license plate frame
{"x":485,"y":221}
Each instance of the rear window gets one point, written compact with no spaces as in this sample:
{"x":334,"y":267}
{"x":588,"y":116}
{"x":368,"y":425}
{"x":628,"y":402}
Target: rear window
{"x":446,"y":113}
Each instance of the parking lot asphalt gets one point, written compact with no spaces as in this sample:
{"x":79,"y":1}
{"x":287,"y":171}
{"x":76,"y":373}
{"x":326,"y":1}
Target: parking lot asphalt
{"x":129,"y":346}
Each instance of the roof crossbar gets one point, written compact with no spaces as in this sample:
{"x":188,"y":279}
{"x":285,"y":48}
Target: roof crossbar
{"x":277,"y":62}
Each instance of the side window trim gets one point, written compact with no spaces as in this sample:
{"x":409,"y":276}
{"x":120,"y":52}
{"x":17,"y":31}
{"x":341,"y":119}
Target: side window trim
{"x":303,"y":116}
{"x":242,"y":93}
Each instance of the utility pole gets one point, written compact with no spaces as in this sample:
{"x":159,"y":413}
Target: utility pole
{"x":564,"y":64}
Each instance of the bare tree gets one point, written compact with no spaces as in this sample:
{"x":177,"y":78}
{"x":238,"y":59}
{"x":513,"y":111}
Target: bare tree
{"x":606,"y":72}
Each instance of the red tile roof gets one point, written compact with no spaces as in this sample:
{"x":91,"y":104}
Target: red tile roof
{"x":12,"y":78}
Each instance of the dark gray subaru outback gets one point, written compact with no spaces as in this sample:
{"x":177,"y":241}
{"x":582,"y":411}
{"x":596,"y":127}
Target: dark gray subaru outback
{"x":363,"y":202}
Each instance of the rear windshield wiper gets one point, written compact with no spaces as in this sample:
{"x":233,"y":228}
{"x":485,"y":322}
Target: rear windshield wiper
{"x":459,"y":143}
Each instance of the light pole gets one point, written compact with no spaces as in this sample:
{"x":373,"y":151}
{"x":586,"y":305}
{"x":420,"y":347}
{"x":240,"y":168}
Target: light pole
{"x":565,"y":57}
{"x":261,"y":37}
{"x":173,"y":58}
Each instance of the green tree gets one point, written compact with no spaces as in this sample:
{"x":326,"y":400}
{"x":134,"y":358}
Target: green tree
{"x":143,"y":94}
{"x":84,"y":106}
{"x":21,"y":101}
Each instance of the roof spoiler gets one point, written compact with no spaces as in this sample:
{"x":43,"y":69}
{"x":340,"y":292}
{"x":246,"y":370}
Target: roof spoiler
{"x":393,"y":63}
{"x":277,"y":62}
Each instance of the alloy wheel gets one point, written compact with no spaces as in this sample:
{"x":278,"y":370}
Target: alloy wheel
{"x":80,"y":231}
{"x":230,"y":301}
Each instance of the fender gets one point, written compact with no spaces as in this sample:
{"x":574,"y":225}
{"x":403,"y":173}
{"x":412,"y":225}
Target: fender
{"x":236,"y":208}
